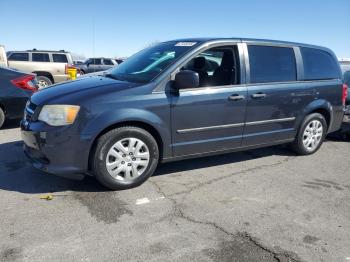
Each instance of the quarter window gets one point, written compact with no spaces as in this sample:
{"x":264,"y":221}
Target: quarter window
{"x":59,"y":58}
{"x":19,"y":57}
{"x":107,"y":62}
{"x":271,"y":64}
{"x":40,"y":57}
{"x":319,"y":64}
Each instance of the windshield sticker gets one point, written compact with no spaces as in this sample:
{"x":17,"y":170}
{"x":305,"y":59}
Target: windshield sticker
{"x":186,"y":43}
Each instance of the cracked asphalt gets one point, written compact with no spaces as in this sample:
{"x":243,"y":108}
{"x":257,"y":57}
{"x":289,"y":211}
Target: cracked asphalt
{"x":260,"y":205}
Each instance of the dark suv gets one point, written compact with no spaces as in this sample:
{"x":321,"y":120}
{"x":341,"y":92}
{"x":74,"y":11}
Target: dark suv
{"x":185,"y":99}
{"x":95,"y":65}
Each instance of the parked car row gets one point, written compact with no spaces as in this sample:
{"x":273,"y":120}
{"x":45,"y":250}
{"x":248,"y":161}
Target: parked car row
{"x":51,"y":66}
{"x":183,"y":99}
{"x":37,"y":69}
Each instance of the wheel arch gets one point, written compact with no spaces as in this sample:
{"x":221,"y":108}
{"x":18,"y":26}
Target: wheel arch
{"x":46,"y":74}
{"x":136,"y":123}
{"x":322,"y":107}
{"x":2,"y":107}
{"x":325,"y":113}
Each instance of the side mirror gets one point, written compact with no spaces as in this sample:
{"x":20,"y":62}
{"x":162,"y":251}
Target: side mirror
{"x":186,"y":79}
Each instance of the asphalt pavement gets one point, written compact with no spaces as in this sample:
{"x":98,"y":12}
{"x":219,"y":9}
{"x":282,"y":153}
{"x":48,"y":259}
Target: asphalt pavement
{"x":260,"y":205}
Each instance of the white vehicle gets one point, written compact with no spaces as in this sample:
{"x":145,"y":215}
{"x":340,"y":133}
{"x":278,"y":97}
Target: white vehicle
{"x":3,"y":57}
{"x":344,"y":64}
{"x":49,"y":66}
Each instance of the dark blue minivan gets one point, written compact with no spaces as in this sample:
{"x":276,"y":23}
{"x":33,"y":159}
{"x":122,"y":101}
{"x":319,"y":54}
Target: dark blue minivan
{"x":184,"y":99}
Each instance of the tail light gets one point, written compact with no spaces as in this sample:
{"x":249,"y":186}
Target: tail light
{"x":26,"y":82}
{"x":345,"y":93}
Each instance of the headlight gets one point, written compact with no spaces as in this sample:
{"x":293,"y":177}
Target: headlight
{"x":59,"y":115}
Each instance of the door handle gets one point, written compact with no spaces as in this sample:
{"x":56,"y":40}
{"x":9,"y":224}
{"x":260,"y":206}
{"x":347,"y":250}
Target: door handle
{"x":236,"y":97}
{"x":258,"y":95}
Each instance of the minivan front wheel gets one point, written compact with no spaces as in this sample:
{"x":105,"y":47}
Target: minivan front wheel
{"x":125,"y":157}
{"x":311,"y":134}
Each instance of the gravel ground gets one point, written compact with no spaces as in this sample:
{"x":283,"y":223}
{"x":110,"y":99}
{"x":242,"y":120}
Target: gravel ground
{"x":260,"y":205}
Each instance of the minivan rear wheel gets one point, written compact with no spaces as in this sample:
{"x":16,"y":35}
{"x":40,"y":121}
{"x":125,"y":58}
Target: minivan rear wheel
{"x":310,"y":135}
{"x":2,"y":117}
{"x":125,"y":157}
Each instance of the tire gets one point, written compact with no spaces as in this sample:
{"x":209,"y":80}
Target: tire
{"x":303,"y":143}
{"x":111,"y":149}
{"x":43,"y":81}
{"x":2,"y":117}
{"x":82,"y":72}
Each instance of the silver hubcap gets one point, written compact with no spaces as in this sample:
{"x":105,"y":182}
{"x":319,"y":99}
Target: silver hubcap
{"x":127,"y":159}
{"x":42,"y":84}
{"x":312,"y":135}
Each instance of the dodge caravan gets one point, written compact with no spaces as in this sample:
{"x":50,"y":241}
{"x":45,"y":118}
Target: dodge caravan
{"x":184,"y":99}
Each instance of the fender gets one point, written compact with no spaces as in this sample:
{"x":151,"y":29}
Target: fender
{"x":319,"y":104}
{"x":94,"y":128}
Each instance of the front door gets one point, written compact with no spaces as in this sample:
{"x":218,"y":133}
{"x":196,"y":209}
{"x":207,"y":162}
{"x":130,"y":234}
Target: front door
{"x":210,"y":117}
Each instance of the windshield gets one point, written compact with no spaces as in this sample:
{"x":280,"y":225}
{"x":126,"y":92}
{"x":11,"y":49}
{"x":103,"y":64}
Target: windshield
{"x":145,"y":65}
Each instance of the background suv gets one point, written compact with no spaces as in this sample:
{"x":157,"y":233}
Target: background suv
{"x":49,"y":66}
{"x":92,"y":65}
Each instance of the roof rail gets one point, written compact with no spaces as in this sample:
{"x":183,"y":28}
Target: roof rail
{"x":50,"y":51}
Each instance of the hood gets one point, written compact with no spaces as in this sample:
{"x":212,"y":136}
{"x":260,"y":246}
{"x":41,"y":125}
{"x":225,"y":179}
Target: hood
{"x":79,"y":88}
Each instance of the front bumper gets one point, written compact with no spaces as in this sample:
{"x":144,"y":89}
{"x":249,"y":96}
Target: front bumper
{"x":60,"y":78}
{"x":55,"y":150}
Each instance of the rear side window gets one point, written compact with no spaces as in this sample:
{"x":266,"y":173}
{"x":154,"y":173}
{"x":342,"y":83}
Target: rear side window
{"x":107,"y":61}
{"x":19,"y":57}
{"x":59,"y":58}
{"x":271,"y":64}
{"x":318,"y":64}
{"x":40,"y":57}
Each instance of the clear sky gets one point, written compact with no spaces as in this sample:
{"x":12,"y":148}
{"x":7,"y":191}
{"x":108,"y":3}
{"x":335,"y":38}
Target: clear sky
{"x":122,"y":27}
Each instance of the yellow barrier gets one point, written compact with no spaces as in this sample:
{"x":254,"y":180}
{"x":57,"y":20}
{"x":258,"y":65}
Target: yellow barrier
{"x":72,"y":73}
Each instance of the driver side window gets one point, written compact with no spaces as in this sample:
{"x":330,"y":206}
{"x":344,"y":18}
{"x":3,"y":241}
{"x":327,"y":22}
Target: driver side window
{"x":217,"y":66}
